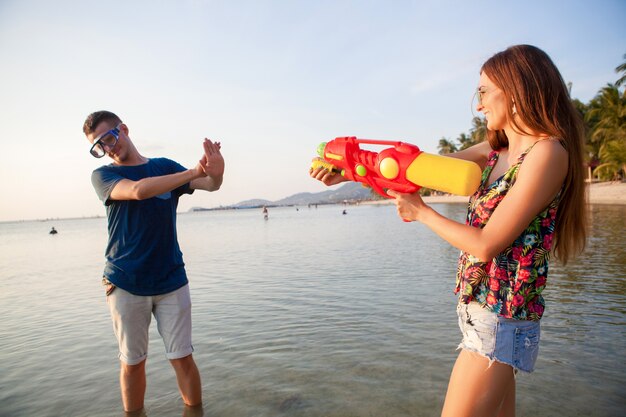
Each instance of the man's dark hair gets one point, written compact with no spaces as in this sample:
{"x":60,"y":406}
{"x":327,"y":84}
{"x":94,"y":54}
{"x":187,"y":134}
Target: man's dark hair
{"x":95,"y":118}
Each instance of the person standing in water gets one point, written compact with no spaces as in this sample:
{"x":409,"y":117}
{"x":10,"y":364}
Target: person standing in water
{"x":531,"y":203}
{"x":144,"y":272}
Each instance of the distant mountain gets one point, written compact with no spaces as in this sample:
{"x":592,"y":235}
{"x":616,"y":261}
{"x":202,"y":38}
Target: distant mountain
{"x":253,"y":203}
{"x":351,"y":192}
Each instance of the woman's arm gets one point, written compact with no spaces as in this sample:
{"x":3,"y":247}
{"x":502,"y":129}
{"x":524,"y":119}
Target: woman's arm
{"x":478,"y":153}
{"x":539,"y":179}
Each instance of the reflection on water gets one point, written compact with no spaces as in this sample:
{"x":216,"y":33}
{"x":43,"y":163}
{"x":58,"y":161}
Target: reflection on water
{"x":586,"y":321}
{"x":310,"y":313}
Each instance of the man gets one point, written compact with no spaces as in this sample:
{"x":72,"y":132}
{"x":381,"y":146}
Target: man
{"x":144,"y":272}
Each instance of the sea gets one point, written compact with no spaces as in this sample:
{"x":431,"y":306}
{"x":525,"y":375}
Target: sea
{"x":311,"y":312}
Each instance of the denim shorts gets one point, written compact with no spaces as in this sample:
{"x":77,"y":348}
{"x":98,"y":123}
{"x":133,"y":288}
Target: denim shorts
{"x":131,"y":316}
{"x":509,"y":341}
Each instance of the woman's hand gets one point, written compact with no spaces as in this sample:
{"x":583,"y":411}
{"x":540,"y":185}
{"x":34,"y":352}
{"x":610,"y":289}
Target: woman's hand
{"x":410,"y":207}
{"x":325,"y":176}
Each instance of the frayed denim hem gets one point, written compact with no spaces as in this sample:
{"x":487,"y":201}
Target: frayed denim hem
{"x":508,"y":341}
{"x":492,"y":360}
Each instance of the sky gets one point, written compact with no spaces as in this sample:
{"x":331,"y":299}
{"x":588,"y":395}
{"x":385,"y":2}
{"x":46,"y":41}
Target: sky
{"x":269,"y":79}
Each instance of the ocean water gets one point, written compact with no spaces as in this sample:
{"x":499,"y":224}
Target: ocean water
{"x":310,"y":313}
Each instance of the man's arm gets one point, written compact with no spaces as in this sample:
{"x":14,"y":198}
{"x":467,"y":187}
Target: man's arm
{"x":207,"y":183}
{"x":152,"y":186}
{"x":207,"y":175}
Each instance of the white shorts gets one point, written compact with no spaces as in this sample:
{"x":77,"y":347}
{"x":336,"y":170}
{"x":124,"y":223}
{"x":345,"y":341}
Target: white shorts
{"x":131,"y":315}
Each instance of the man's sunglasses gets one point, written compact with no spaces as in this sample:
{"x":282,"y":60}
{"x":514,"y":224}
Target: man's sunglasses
{"x":105,"y":141}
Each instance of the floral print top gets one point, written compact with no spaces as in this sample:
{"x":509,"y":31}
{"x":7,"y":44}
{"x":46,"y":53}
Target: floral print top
{"x":511,"y":283}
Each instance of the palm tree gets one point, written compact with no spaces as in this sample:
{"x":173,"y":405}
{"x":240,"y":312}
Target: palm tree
{"x":445,"y":146}
{"x":621,"y":68}
{"x":606,"y":118}
{"x":478,"y":132}
{"x":465,"y":141}
{"x":613,"y":157}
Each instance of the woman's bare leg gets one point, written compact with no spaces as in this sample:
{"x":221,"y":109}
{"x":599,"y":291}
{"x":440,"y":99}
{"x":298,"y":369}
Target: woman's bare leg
{"x":477,"y":389}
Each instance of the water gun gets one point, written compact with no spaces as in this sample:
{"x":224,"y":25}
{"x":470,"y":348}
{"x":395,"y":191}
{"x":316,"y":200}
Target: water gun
{"x":402,"y":167}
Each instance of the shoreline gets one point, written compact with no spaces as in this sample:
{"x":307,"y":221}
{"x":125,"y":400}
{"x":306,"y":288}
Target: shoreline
{"x":611,"y":192}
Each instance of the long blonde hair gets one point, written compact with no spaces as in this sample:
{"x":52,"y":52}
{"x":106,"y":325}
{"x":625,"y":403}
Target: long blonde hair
{"x":529,"y":78}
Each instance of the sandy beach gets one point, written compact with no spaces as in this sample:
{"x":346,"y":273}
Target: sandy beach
{"x":599,"y":193}
{"x":607,"y":193}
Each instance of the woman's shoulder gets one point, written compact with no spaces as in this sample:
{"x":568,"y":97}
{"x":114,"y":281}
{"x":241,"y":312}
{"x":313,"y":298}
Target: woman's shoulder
{"x":546,"y":157}
{"x":550,"y":149}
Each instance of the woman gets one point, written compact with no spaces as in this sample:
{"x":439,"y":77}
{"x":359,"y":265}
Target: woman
{"x":531,"y":202}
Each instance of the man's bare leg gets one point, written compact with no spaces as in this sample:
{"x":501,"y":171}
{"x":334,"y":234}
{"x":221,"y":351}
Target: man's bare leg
{"x":188,"y":378}
{"x":133,"y":385}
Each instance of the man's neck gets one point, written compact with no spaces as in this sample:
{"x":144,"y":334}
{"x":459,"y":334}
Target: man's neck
{"x":135,"y":159}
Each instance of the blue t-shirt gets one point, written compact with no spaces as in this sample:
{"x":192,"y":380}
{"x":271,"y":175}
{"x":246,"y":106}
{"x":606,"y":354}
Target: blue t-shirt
{"x":142,"y":255}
